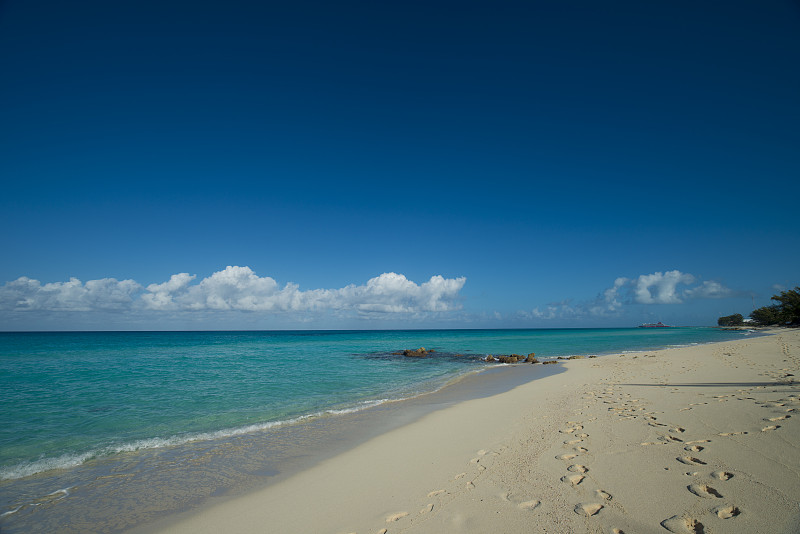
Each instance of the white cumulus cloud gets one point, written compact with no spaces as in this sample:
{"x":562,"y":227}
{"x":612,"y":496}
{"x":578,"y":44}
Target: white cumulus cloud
{"x":234,"y":288}
{"x":670,"y":287}
{"x":708,"y":290}
{"x":661,"y":288}
{"x":105,"y":294}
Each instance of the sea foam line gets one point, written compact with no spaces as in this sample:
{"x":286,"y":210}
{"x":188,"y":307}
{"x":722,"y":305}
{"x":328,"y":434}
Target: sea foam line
{"x":68,"y":461}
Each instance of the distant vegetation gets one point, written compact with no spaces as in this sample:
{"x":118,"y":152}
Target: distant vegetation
{"x":786,"y":312}
{"x":731,"y":320}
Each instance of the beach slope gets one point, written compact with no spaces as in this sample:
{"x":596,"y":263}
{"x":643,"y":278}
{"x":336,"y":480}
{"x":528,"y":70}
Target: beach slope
{"x":696,"y":439}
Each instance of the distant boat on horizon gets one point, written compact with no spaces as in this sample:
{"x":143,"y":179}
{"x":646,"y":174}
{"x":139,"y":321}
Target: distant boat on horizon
{"x":659,"y":324}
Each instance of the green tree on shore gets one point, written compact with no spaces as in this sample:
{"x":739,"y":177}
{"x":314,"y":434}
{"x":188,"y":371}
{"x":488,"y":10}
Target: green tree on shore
{"x":768,"y":315}
{"x":731,"y":320}
{"x":785,"y":312}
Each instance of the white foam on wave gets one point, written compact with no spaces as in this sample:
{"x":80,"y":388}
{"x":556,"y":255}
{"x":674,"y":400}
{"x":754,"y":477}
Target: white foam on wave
{"x":14,"y":511}
{"x":67,"y":461}
{"x":26,"y":469}
{"x":363,"y":406}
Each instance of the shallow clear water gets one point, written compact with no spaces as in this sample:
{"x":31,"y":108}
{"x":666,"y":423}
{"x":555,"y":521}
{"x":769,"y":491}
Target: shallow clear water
{"x":68,"y":399}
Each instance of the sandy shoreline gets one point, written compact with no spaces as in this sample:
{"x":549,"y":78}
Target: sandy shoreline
{"x":698,"y":439}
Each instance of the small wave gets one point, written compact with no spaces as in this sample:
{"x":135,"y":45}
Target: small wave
{"x":67,"y":461}
{"x":49,"y":498}
{"x":14,"y":511}
{"x":363,"y":406}
{"x":26,"y":469}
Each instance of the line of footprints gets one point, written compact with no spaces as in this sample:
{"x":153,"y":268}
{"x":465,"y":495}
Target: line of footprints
{"x":684,"y":523}
{"x":461,"y":482}
{"x":576,"y":473}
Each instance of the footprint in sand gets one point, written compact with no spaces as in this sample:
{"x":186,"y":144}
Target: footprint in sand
{"x":771,"y":427}
{"x":698,"y":441}
{"x":573,"y":479}
{"x":580,"y":449}
{"x":683,"y":525}
{"x":727,"y":512}
{"x":436,"y":493}
{"x":396,"y":517}
{"x":578,"y":468}
{"x":573,"y":442}
{"x":690,"y":460}
{"x":781,"y":418}
{"x":722,"y":475}
{"x":741,"y":433}
{"x":566,"y":456}
{"x":426,"y":509}
{"x":704,"y":490}
{"x":678,"y":430}
{"x":529,"y":505}
{"x":694,"y":448}
{"x":602,"y":495}
{"x":588,"y":509}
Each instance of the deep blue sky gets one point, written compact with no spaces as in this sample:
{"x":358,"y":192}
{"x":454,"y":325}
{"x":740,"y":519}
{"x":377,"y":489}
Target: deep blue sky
{"x":540,"y":150}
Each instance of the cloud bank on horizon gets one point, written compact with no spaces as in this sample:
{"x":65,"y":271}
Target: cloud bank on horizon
{"x":655,"y":288}
{"x":232,"y":289}
{"x":240,"y":289}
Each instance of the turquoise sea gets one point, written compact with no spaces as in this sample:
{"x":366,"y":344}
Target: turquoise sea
{"x":141,"y":416}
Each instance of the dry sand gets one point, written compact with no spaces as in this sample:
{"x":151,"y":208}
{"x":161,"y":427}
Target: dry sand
{"x":699,"y":439}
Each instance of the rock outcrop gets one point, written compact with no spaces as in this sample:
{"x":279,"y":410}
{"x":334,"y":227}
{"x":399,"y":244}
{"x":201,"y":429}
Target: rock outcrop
{"x":415,"y":353}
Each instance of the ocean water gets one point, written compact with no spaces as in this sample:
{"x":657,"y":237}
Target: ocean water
{"x":87,"y":415}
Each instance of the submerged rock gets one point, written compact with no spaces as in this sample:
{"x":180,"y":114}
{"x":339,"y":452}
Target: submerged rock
{"x":416,"y":353}
{"x":549,"y":361}
{"x":490,"y":358}
{"x":531,"y":358}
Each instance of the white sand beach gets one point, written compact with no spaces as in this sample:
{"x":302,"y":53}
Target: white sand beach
{"x":697,"y":439}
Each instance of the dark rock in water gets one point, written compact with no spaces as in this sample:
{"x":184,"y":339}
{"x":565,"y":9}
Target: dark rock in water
{"x":531,"y":358}
{"x":550,"y":361}
{"x":490,"y":358}
{"x":508,"y":359}
{"x":593,"y":356}
{"x":416,"y":353}
{"x":575,"y":358}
